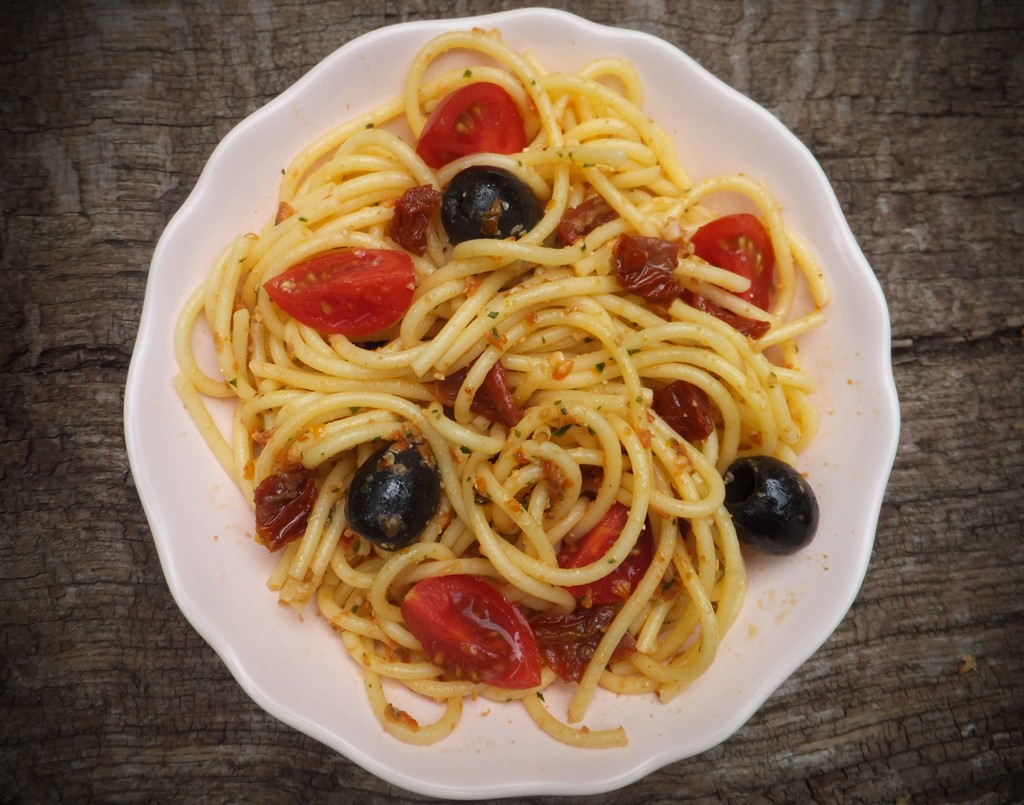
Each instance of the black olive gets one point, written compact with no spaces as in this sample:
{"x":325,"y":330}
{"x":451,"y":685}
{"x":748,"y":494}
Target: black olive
{"x":484,"y":202}
{"x":394,"y":494}
{"x":772,"y":505}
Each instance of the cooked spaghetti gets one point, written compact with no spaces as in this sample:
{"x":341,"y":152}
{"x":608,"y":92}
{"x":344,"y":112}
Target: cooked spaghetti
{"x":558,"y":320}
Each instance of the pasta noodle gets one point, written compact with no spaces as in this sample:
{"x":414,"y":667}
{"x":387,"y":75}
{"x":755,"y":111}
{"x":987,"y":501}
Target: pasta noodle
{"x":583,"y":359}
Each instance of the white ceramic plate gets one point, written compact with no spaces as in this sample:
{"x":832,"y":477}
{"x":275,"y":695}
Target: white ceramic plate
{"x":299,"y":671}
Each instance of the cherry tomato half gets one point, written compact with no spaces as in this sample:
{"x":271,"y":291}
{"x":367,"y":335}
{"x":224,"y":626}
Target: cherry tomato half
{"x":740,"y":244}
{"x":474,"y":119}
{"x":471,"y":630}
{"x":353,"y":292}
{"x":617,"y":585}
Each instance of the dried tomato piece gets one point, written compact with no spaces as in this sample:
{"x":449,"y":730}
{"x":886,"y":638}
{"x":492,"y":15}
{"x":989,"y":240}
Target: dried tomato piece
{"x":408,"y":225}
{"x":496,"y":392}
{"x":283,"y":503}
{"x":567,"y":642}
{"x":645,"y":266}
{"x":493,"y":399}
{"x":584,"y":219}
{"x":686,"y":408}
{"x":751,"y":327}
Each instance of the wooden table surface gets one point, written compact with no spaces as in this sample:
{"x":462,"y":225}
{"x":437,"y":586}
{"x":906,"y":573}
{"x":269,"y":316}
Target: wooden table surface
{"x":109,"y":111}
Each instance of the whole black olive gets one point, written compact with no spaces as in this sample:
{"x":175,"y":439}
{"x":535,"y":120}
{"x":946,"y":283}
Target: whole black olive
{"x":394,"y":494}
{"x":484,"y":202}
{"x":773,"y":507}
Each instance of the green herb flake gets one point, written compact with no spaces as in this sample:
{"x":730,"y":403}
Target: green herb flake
{"x":561,"y":431}
{"x":540,"y":695}
{"x":599,"y":366}
{"x":468,"y":73}
{"x":493,"y":314}
{"x":465,"y":449}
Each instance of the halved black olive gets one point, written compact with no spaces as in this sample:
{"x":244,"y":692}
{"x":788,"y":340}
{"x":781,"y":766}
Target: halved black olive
{"x":773,"y":507}
{"x":485,"y":202}
{"x":394,"y":494}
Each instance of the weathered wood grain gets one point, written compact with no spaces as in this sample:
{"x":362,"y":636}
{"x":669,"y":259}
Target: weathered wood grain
{"x":108,"y":111}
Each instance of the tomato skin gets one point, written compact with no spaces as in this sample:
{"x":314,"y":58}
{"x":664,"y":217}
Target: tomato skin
{"x":471,"y":630}
{"x":739,"y":243}
{"x":352,"y":292}
{"x":592,"y":546}
{"x":477,"y":118}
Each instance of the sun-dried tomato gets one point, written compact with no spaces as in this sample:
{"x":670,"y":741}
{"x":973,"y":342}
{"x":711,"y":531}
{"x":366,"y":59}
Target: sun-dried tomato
{"x":751,"y":327}
{"x":493,"y":399}
{"x":645,"y":266}
{"x":581,"y":220}
{"x":567,"y":642}
{"x":408,"y":226}
{"x":283,"y":503}
{"x":686,"y":408}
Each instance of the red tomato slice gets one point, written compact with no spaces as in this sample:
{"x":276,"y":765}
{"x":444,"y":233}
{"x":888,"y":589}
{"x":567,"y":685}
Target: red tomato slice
{"x":471,"y":630}
{"x":617,"y":585}
{"x":740,"y":244}
{"x":353,"y":292}
{"x":473,"y":119}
